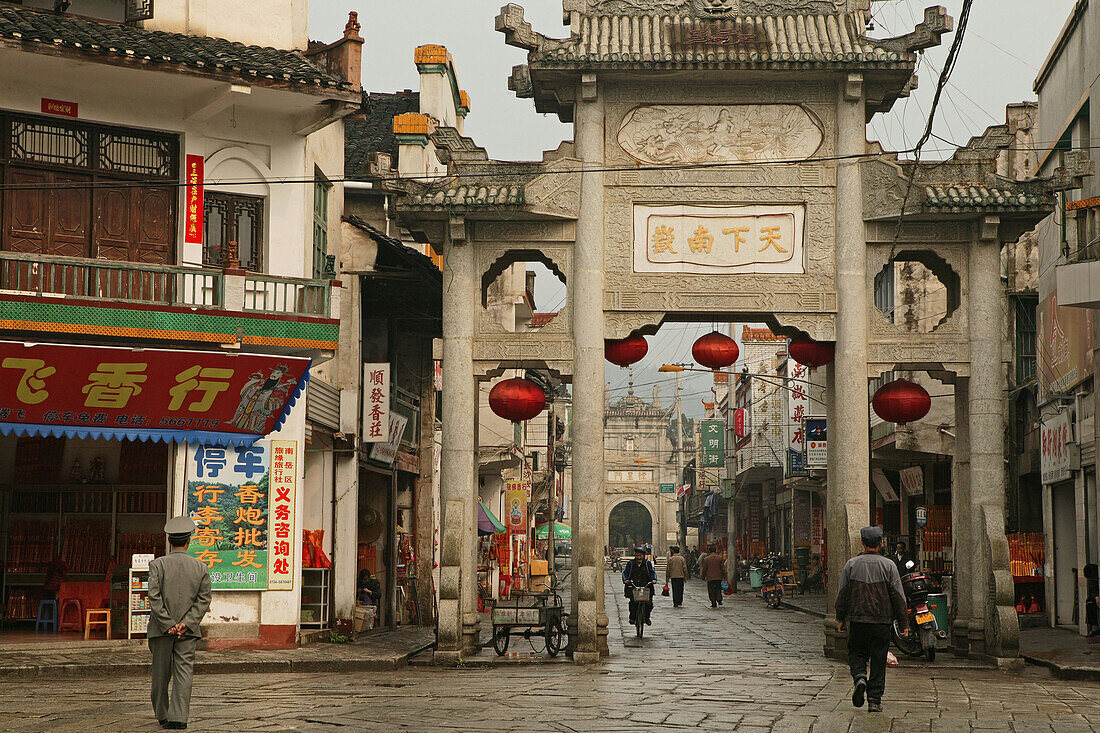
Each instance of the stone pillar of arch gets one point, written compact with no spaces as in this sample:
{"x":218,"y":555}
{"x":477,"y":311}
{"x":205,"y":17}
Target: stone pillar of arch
{"x":458,"y":625}
{"x":849,"y":458}
{"x":588,"y":620}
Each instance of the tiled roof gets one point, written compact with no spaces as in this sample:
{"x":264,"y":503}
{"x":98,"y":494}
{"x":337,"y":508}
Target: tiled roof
{"x":470,"y":196}
{"x":974,"y":197}
{"x":825,"y":38}
{"x":157,"y":47}
{"x":371,"y":131}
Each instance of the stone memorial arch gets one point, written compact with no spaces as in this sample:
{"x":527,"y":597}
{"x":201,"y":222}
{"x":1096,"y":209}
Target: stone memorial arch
{"x":720,"y":170}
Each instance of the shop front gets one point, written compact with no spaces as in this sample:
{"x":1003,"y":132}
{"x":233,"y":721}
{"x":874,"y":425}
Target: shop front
{"x":100,"y":445}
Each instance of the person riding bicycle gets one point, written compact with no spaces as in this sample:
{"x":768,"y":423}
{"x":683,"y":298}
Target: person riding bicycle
{"x":639,"y":573}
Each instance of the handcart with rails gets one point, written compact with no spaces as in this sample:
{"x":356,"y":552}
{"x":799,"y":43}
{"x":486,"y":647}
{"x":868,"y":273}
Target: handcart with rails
{"x":532,"y":616}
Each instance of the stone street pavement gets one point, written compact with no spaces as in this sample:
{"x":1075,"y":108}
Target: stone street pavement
{"x":741,"y":667}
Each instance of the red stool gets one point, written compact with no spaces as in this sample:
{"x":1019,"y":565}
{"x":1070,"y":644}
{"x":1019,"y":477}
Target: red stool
{"x":78,"y":624}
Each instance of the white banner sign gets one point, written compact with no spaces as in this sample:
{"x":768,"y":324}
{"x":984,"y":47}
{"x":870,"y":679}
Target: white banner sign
{"x":376,"y":402}
{"x":714,"y":239}
{"x":1056,"y":433}
{"x":387,"y":452}
{"x":797,"y":403}
{"x":885,"y":488}
{"x":912,"y":480}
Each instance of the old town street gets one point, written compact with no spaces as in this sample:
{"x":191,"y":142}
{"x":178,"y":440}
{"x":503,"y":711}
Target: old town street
{"x":740,"y":667}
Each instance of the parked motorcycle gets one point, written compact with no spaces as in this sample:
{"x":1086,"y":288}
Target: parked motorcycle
{"x":923,"y":629}
{"x":771,"y":588}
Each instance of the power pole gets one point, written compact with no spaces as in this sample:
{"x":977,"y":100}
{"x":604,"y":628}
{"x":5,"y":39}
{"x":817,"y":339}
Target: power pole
{"x":680,"y":465}
{"x":552,"y":493}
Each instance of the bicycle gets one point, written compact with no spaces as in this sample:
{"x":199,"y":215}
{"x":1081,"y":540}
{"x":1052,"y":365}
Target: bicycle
{"x":643,"y":600}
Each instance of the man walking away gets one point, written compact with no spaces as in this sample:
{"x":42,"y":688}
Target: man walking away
{"x":869,"y":598}
{"x":713,"y":570}
{"x":675,"y":574}
{"x":179,"y":596}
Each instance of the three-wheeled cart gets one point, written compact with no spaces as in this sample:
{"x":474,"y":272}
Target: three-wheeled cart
{"x":530,"y":615}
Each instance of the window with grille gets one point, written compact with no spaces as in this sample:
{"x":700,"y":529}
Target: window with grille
{"x":233,"y":218}
{"x":320,"y":226}
{"x":1025,"y":337}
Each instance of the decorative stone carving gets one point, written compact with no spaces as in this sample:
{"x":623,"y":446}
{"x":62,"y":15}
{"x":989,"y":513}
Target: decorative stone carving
{"x":740,"y":133}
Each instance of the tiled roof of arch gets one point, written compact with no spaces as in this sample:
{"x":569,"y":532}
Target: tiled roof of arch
{"x":981,"y":197}
{"x":662,"y":39}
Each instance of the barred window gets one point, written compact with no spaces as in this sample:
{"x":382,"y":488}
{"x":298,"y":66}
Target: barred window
{"x":233,"y":218}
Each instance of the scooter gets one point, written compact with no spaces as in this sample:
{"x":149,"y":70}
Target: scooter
{"x":771,"y":589}
{"x":923,"y":629}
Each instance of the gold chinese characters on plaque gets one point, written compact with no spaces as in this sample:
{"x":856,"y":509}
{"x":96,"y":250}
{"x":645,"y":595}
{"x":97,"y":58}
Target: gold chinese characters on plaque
{"x":733,"y":239}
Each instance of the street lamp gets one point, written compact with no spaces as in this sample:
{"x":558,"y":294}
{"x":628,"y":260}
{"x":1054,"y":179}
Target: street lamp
{"x":671,"y":368}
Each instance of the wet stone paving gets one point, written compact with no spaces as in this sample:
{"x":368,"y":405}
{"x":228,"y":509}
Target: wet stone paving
{"x":741,"y":667}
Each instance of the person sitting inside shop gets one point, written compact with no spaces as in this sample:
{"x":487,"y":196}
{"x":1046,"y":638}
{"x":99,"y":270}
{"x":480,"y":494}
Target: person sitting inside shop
{"x":815,"y":579}
{"x":368,"y":589}
{"x":639,"y":573}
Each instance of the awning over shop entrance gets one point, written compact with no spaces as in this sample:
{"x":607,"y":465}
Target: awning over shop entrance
{"x":145,"y":394}
{"x":487,"y":523}
{"x":561,"y":531}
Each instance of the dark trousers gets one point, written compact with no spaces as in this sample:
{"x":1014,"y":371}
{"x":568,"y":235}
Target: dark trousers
{"x":714,"y":590}
{"x":677,"y":591}
{"x":635,"y":607}
{"x":869,"y":642}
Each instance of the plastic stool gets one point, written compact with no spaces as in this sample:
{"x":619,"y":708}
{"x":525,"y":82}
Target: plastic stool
{"x":102,"y":618}
{"x":45,"y":619}
{"x":66,"y":606}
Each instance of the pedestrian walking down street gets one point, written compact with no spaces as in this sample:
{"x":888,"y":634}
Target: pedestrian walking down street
{"x":179,"y":597}
{"x":869,"y":599}
{"x":713,"y":570}
{"x":675,"y":573}
{"x":693,"y":562}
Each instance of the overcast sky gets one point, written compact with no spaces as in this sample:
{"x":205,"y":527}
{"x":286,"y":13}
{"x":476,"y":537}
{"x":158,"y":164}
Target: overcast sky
{"x":1005,"y":45}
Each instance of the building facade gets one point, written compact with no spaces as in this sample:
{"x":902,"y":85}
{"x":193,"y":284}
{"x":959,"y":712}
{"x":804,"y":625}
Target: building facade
{"x":168,"y":298}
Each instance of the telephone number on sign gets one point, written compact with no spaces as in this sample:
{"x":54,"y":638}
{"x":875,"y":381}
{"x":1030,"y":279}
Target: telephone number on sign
{"x":189,"y":422}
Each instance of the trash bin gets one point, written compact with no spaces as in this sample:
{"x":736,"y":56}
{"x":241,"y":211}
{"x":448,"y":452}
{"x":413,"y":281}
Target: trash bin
{"x":756,"y":578}
{"x":937,"y":604}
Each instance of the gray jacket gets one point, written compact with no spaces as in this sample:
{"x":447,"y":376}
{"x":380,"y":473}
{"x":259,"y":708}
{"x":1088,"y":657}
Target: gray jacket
{"x":871,"y":592}
{"x":179,"y":590}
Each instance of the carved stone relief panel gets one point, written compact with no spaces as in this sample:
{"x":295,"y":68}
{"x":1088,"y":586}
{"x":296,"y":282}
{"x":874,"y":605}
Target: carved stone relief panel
{"x":662,"y":134}
{"x":523,"y":347}
{"x":682,"y":121}
{"x":537,"y":233}
{"x":954,"y":231}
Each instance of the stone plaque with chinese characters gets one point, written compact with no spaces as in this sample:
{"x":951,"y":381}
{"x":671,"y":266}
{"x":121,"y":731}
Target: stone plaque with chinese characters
{"x":712,"y":239}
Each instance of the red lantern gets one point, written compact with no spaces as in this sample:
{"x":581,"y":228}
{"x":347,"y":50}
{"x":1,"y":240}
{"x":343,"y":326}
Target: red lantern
{"x":715,"y":350}
{"x":517,"y":399}
{"x":813,"y":354}
{"x":627,"y":351}
{"x":901,"y":401}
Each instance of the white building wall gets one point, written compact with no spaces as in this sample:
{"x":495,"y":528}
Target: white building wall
{"x":277,"y":23}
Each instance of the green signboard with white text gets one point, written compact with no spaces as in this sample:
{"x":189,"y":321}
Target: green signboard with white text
{"x":714,"y":444}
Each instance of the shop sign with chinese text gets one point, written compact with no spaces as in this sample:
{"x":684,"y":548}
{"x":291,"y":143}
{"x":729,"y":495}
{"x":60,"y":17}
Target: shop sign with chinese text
{"x":817,"y":443}
{"x":797,"y":403}
{"x":376,"y":402}
{"x":195,"y":396}
{"x":387,"y":452}
{"x":719,"y":239}
{"x":228,"y":497}
{"x":668,"y":488}
{"x":283,"y":484}
{"x":1055,"y":435}
{"x":713,"y":443}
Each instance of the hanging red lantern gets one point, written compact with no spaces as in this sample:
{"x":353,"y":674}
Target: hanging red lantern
{"x":627,"y":351}
{"x":517,"y":399}
{"x":813,"y":354}
{"x":901,"y":401}
{"x":715,"y":350}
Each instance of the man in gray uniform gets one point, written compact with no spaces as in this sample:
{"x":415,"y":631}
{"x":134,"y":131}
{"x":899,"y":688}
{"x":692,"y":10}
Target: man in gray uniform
{"x":870,"y":597}
{"x":179,"y":596}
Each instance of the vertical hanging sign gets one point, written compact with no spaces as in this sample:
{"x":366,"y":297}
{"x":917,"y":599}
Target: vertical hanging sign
{"x":376,"y":402}
{"x":193,"y":171}
{"x":713,"y":436}
{"x":283,"y":482}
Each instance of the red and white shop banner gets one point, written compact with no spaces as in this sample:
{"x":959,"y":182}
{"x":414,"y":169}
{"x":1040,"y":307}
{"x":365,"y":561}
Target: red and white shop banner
{"x":283,"y":483}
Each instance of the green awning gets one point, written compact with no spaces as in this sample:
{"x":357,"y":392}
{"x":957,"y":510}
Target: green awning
{"x":487,"y":523}
{"x":561,"y":531}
